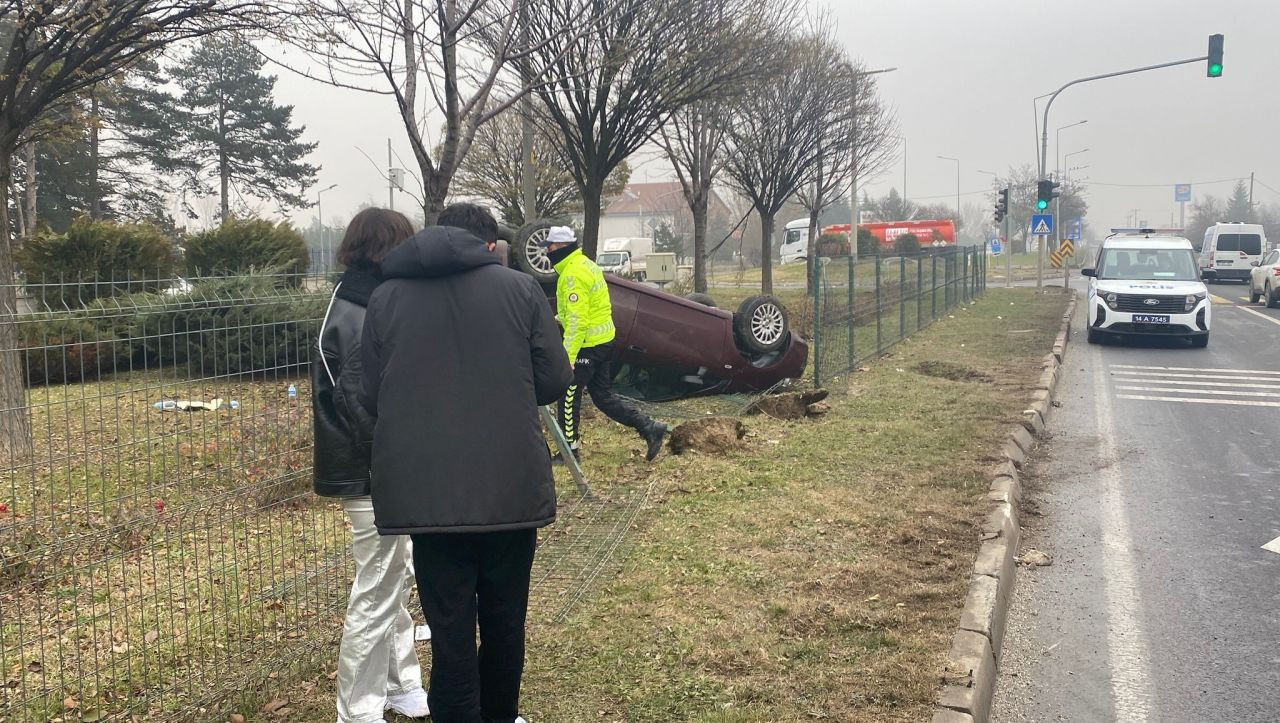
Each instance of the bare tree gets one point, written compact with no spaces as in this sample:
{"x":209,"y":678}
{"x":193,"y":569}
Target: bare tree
{"x":616,"y":86}
{"x":856,"y":137}
{"x":435,"y":58}
{"x":778,"y":136}
{"x":51,"y":51}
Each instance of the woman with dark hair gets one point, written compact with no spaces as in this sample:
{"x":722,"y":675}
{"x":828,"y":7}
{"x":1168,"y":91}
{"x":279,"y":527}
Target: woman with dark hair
{"x":377,"y":662}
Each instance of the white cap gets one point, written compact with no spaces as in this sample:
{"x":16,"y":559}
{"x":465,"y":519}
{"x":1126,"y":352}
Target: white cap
{"x":560,"y":235}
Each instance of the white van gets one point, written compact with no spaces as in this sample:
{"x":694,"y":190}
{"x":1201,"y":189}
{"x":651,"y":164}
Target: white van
{"x":795,"y":242}
{"x":1230,"y":250}
{"x":625,"y":257}
{"x":1147,"y":285}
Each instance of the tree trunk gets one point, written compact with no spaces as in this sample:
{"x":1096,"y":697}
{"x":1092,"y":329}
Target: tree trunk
{"x":699,"y":210}
{"x":30,"y":212}
{"x":95,"y":136}
{"x":15,"y":426}
{"x":766,"y":252}
{"x":591,"y":200}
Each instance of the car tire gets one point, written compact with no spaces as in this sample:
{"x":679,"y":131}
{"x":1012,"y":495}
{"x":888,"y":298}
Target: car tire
{"x":530,"y":256}
{"x":1199,"y":342}
{"x":700,"y":298}
{"x":1270,"y":297}
{"x":1093,"y":337}
{"x":1253,"y":295}
{"x":761,"y":325}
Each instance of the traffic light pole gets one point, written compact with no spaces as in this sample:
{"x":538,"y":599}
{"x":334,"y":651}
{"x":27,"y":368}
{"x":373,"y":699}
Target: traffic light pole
{"x":1008,"y":253}
{"x":1044,"y":135}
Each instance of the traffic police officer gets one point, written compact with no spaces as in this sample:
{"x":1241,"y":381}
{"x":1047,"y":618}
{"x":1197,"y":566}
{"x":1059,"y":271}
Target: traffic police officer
{"x":585,"y":312}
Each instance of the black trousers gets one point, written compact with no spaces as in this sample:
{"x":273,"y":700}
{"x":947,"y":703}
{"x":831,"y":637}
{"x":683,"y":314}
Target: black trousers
{"x":465,"y":579}
{"x":593,"y":372}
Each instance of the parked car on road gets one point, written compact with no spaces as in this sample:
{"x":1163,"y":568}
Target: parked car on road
{"x":1264,"y":280}
{"x":1147,"y":285}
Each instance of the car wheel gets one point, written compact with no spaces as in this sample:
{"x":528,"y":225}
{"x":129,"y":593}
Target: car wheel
{"x":701,"y":298}
{"x":761,"y":325}
{"x":1270,"y":297}
{"x":1200,"y":342}
{"x":531,"y":256}
{"x":1093,"y":337}
{"x":1253,"y":295}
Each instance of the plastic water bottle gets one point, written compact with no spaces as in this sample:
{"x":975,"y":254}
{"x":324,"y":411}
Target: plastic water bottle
{"x":167,"y":405}
{"x":235,"y":404}
{"x":293,"y":392}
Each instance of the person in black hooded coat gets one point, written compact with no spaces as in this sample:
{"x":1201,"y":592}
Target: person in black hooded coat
{"x":459,"y":352}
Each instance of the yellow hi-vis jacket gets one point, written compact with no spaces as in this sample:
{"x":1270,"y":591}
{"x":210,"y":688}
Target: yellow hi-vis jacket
{"x":582,"y":303}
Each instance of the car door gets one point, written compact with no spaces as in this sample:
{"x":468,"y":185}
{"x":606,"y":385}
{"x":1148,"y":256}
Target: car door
{"x":1265,"y":269}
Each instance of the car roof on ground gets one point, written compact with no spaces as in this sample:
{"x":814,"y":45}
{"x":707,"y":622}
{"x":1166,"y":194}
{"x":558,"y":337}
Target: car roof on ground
{"x":1146,"y":242}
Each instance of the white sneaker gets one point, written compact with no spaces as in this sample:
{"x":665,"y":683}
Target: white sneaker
{"x":412,"y":704}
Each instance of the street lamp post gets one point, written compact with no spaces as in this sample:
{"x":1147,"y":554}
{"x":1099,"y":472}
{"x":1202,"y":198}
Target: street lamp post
{"x":1066,"y":159}
{"x":1057,"y":202}
{"x":853,"y":173}
{"x":324,"y":231}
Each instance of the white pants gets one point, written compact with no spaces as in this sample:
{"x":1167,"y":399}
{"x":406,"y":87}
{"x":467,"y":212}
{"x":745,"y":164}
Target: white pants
{"x":377,"y":658}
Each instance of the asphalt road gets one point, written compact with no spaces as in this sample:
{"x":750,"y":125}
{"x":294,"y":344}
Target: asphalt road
{"x":1155,"y":496}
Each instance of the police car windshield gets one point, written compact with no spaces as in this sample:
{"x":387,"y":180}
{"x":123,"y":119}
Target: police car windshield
{"x":1148,"y":265}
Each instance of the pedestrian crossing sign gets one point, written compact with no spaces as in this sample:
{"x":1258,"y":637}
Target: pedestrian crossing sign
{"x":1042,"y":224}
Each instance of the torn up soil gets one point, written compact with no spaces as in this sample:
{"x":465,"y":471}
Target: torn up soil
{"x":951,"y":372}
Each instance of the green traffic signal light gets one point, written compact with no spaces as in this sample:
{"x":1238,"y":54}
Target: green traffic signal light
{"x":1042,"y":204}
{"x":1215,"y":56}
{"x":1215,"y":70}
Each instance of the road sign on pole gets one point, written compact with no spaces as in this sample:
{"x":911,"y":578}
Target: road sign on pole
{"x":1182,"y":193}
{"x":1042,"y":224}
{"x":996,"y":247}
{"x":1075,"y":231}
{"x":1064,"y":252}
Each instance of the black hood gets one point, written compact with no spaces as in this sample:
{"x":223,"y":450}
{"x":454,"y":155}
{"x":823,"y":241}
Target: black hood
{"x":437,"y":251}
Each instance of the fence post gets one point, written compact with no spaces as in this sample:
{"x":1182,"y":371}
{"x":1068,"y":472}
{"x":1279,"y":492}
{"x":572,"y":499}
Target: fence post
{"x":919,"y":294}
{"x":879,"y":332}
{"x":933,"y":287}
{"x":902,"y":298}
{"x":853,"y":278}
{"x":817,"y":323}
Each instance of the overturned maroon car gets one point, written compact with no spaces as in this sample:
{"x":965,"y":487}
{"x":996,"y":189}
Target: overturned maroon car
{"x":669,"y":346}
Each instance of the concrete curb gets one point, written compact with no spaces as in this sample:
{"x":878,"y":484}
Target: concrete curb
{"x":969,"y":679}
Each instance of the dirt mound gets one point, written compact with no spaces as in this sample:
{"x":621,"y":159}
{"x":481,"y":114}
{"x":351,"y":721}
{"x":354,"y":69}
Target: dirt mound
{"x":951,"y":371}
{"x":715,"y":435}
{"x":793,"y":405}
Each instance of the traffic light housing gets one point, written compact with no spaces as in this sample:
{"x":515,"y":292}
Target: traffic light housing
{"x":1002,"y":205}
{"x":1046,"y":191}
{"x":1215,"y":56}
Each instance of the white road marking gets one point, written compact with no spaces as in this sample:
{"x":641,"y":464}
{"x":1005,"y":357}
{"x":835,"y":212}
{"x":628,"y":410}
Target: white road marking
{"x":1233,"y":385}
{"x":1189,"y":400}
{"x":1216,"y":377}
{"x":1219,"y":392}
{"x":1126,"y":641}
{"x":1273,"y":546}
{"x":1260,"y":315}
{"x":1193,"y":369}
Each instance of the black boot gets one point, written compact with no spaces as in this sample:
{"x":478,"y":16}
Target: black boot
{"x":653,"y":435}
{"x":558,"y":460}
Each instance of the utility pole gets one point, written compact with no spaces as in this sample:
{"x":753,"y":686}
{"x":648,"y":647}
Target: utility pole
{"x":1008,"y":250}
{"x":1250,"y":218}
{"x":528,"y":190}
{"x":391,"y":184}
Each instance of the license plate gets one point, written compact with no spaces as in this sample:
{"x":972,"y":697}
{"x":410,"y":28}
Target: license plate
{"x":1151,"y":318}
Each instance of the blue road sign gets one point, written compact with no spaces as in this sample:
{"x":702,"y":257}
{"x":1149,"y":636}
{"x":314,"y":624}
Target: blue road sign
{"x":1075,"y":230}
{"x":1182,"y":192}
{"x":996,"y":247}
{"x":1042,"y":224}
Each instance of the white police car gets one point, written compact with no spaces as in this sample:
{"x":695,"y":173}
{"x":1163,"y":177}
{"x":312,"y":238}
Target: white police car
{"x":1146,"y":284}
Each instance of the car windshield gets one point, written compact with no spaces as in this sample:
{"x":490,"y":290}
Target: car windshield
{"x":611,"y":259}
{"x":1250,"y":243}
{"x":1148,"y":265}
{"x":794,"y":235}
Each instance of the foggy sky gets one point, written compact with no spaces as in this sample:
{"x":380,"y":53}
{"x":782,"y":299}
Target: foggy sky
{"x":967,"y":73}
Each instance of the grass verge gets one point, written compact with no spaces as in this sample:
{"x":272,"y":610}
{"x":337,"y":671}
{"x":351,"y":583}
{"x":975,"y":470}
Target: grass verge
{"x":818,"y":572}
